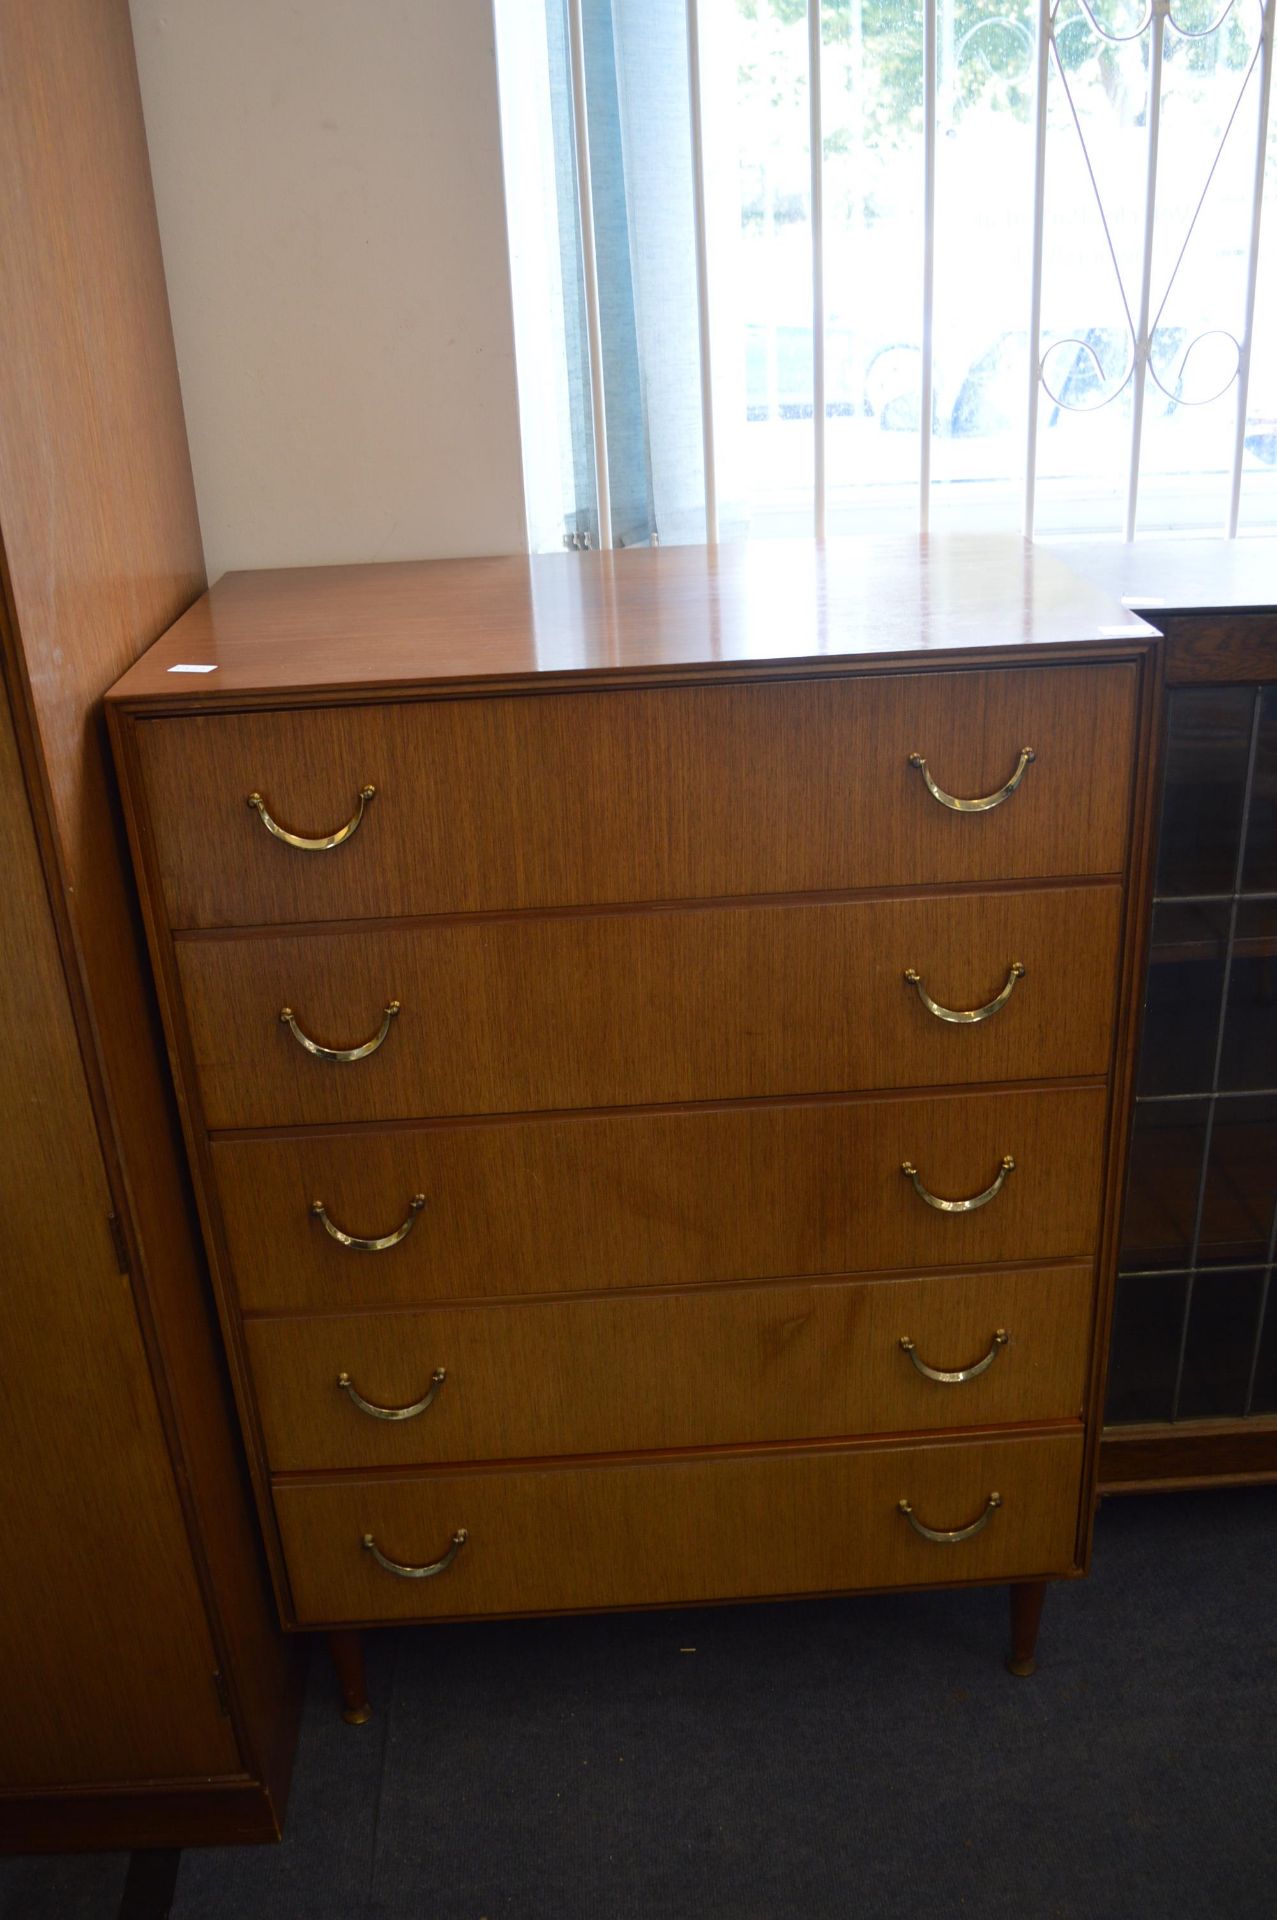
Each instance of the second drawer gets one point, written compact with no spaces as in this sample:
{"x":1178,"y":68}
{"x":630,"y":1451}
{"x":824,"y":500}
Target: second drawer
{"x":634,"y":1372}
{"x":625,"y":1009}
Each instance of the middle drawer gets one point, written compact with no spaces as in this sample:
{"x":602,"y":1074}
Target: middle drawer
{"x":506,"y":1015}
{"x":634,"y":1372}
{"x":579,"y":1202}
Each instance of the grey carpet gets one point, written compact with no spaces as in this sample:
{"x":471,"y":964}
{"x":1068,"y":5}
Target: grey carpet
{"x":865,"y":1759}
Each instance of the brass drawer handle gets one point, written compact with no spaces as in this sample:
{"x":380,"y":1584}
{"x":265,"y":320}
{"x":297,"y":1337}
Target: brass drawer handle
{"x":989,"y":801}
{"x":949,"y":1537}
{"x":459,"y":1539}
{"x":339,"y":1053}
{"x":960,"y":1206}
{"x":954,"y":1376}
{"x":379,"y":1243}
{"x":960,"y":1018}
{"x":347,"y":1386}
{"x":326,"y":840}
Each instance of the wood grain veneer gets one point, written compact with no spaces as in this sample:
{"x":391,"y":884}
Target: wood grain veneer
{"x":633,"y":1372}
{"x":530,"y":620}
{"x":666,"y":1531}
{"x":99,"y":1522}
{"x":644,"y":871}
{"x":500,"y":1016}
{"x":100,"y":552}
{"x":581,"y":1202}
{"x":640,"y":795}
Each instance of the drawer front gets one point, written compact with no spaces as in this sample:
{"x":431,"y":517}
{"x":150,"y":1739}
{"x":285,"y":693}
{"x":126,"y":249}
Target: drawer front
{"x":659,"y":1199}
{"x":656,"y":1532}
{"x":633,"y":1372}
{"x":674,"y":793}
{"x":585,"y":1202}
{"x":622,"y":1009}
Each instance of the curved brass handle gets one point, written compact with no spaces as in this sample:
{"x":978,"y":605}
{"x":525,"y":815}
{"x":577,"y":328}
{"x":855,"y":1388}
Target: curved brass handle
{"x":950,"y":1536}
{"x":347,"y":1386}
{"x":326,"y":840}
{"x":960,"y":1206}
{"x":989,"y":801}
{"x":954,"y":1376}
{"x":960,"y":1018}
{"x":288,"y":1019}
{"x":459,"y":1539}
{"x":381,"y":1241}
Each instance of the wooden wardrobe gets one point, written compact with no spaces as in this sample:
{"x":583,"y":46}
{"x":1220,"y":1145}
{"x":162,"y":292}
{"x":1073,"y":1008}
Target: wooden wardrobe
{"x":149,"y":1698}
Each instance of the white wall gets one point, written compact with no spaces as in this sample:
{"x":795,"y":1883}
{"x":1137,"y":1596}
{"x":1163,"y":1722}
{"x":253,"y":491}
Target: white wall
{"x":328,"y":178}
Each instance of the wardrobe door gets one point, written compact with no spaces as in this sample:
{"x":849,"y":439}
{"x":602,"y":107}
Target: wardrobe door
{"x":110,"y":1673}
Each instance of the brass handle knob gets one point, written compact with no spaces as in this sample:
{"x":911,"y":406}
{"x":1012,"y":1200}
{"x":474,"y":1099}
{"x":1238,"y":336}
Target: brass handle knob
{"x":989,"y":801}
{"x":325,"y":841}
{"x":954,"y":1376}
{"x":950,"y":1536}
{"x":960,"y":1206}
{"x":348,"y":1387}
{"x":288,"y":1019}
{"x":459,"y":1539}
{"x":378,"y":1244}
{"x":962,"y":1017}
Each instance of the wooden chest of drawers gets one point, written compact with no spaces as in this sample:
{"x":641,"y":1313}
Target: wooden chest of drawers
{"x":656,"y":1142}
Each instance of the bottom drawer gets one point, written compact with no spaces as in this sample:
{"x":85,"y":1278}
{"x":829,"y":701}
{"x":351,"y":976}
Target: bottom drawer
{"x":661,"y":1531}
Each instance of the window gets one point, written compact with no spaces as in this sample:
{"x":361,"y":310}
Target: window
{"x":879,"y":265}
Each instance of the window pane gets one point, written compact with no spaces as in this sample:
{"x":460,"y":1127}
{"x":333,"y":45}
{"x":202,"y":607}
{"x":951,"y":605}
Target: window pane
{"x":1241,"y":1183}
{"x":1259,"y":468}
{"x":1222,"y":1323}
{"x":758,"y":186}
{"x":1094,"y":213}
{"x":1183,"y":999}
{"x":1260,"y":872}
{"x":1208,"y":742}
{"x":1249,"y":1057}
{"x":1147,"y":1326}
{"x":1199,"y":299}
{"x":872,"y":96}
{"x":1162,"y":1185}
{"x":984,"y":235}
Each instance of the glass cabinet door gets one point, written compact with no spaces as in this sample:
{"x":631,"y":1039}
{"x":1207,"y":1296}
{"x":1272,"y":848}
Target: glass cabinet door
{"x":1195,"y":1326}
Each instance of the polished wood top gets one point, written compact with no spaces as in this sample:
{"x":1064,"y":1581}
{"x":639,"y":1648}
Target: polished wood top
{"x":634,"y":614}
{"x":1158,"y":577}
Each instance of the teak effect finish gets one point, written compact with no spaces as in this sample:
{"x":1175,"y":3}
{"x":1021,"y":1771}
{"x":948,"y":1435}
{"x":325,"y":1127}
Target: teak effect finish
{"x":100,"y":552}
{"x":583,"y":1202}
{"x":91,"y":1508}
{"x":676,"y":793}
{"x":629,"y":1373}
{"x":670,"y":1531}
{"x":562,"y":1004}
{"x":745,"y":610}
{"x":623,"y":1008}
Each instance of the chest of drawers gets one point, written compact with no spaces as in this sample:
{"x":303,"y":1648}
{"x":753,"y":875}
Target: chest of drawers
{"x":652,"y":1033}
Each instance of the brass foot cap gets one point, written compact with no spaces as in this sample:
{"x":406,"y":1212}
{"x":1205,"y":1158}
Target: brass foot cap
{"x":356,"y":1716}
{"x":1022,"y":1668}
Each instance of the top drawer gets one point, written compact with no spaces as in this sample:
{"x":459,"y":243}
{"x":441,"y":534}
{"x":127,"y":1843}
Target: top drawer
{"x":579,"y":798}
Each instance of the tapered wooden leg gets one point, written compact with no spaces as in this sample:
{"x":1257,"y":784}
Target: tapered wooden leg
{"x":347,"y":1650}
{"x":1026,"y":1614}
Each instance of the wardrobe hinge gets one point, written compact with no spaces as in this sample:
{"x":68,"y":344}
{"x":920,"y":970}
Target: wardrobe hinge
{"x":223,"y":1697}
{"x":120,"y":1243}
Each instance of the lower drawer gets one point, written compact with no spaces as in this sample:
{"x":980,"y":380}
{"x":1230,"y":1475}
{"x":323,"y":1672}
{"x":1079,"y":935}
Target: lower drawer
{"x":630,"y":1372}
{"x":667,"y":1531}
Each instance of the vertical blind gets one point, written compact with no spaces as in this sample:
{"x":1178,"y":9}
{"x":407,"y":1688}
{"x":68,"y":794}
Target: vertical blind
{"x":880,"y":265}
